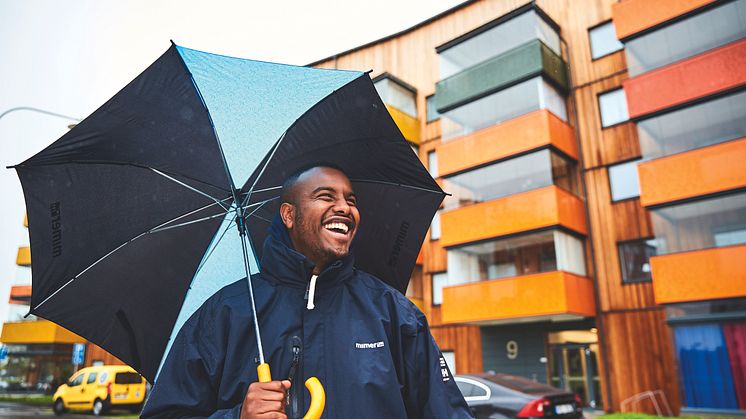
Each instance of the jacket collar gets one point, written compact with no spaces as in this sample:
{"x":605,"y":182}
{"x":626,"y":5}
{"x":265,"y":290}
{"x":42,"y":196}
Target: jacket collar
{"x":281,"y":264}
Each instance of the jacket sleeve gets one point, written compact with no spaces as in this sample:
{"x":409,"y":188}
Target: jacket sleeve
{"x":430,"y":390}
{"x":188,"y":381}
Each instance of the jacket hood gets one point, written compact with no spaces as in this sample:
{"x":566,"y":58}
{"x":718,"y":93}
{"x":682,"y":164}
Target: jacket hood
{"x":282,"y":264}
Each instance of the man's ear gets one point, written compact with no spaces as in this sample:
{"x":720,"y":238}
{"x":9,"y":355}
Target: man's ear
{"x":287,"y":214}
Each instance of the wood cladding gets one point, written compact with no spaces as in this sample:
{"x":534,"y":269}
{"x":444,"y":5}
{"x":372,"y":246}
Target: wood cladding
{"x":94,"y":353}
{"x":465,"y":342}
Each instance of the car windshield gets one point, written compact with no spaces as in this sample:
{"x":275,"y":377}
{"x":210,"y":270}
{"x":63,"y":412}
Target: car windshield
{"x":127,"y":378}
{"x":524,"y":385}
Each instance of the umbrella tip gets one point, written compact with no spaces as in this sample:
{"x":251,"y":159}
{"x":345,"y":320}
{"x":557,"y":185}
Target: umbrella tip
{"x":12,"y":166}
{"x":172,"y":42}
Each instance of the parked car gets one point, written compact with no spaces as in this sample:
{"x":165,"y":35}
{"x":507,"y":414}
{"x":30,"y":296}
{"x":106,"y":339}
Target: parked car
{"x":101,"y":388}
{"x":499,"y":396}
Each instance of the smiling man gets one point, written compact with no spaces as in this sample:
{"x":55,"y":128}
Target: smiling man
{"x":369,"y":346}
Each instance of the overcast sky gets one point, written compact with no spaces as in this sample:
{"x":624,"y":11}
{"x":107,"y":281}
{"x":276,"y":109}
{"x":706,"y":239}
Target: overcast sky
{"x":70,"y":56}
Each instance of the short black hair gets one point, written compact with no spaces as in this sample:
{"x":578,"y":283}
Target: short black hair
{"x":291,"y":180}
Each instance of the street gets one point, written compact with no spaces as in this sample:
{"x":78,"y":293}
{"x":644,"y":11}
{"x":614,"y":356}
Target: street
{"x":15,"y":410}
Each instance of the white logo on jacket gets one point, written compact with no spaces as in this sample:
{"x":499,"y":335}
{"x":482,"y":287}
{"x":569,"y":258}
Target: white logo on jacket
{"x":371,"y":345}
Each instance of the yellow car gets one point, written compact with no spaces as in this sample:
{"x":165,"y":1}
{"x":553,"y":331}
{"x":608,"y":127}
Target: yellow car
{"x":100,"y":389}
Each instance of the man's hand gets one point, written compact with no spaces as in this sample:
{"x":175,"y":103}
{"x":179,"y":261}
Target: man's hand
{"x":265,"y":400}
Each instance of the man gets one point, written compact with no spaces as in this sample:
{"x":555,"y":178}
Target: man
{"x":369,"y":346}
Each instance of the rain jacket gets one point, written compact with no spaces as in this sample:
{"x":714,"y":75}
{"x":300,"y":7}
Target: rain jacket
{"x":370,"y":347}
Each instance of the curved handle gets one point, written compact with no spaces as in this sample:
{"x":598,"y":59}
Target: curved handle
{"x":318,"y":398}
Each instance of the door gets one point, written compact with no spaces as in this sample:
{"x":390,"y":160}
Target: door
{"x":574,"y":368}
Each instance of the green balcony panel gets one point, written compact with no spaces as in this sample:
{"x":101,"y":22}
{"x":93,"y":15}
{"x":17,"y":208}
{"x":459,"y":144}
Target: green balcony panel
{"x":519,"y":64}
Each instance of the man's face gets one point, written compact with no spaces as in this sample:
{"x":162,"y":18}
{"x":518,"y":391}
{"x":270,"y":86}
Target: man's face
{"x":324,"y":218}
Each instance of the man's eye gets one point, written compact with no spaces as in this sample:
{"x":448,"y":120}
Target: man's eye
{"x":352,"y":202}
{"x":326,"y":197}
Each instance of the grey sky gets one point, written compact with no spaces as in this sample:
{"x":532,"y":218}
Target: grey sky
{"x":70,"y":56}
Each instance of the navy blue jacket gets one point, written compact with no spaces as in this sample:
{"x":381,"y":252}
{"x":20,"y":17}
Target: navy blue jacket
{"x":370,"y":347}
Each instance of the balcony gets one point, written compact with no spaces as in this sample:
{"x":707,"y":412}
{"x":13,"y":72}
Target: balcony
{"x":40,"y":331}
{"x":23,"y":258}
{"x":710,"y":73}
{"x":634,"y":16}
{"x":540,"y":208}
{"x":699,"y":172}
{"x":700,"y":275}
{"x":20,"y":294}
{"x":497,"y":73}
{"x":554,"y":296}
{"x":531,"y":131}
{"x":400,"y":99}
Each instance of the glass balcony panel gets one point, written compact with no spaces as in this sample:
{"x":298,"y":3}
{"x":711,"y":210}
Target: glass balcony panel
{"x":523,"y":255}
{"x":493,"y":42}
{"x":516,"y":175}
{"x":709,"y":223}
{"x":697,"y":126}
{"x":689,"y":37}
{"x":392,"y":93}
{"x":525,"y":97}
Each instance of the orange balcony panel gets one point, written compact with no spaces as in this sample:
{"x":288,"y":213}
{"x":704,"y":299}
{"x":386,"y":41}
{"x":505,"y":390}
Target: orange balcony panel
{"x":524,"y":133}
{"x":20,"y":294}
{"x":23,"y":258}
{"x":700,"y":275}
{"x":712,"y":72}
{"x":634,"y":16}
{"x":550,"y":295}
{"x":699,"y":172}
{"x":39,"y":331}
{"x":544,"y":207}
{"x":420,"y":258}
{"x":408,"y":125}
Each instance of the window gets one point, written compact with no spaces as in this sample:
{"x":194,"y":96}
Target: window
{"x":435,"y":227}
{"x":432,"y":112}
{"x":634,"y":257}
{"x":127,"y":378}
{"x":613,"y":107}
{"x":528,"y":96}
{"x":521,"y":255}
{"x":78,"y":380}
{"x":432,"y":163}
{"x":494,"y":41}
{"x":91,"y":378}
{"x":624,"y":181}
{"x":440,"y":280}
{"x":702,"y":224}
{"x":712,"y":122}
{"x":516,"y":175}
{"x":395,"y":93}
{"x":603,"y":40}
{"x":450,"y":358}
{"x":687,"y":38}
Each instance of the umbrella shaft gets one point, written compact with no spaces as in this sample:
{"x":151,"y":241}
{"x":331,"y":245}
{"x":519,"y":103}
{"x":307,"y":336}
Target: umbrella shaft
{"x":244,"y":246}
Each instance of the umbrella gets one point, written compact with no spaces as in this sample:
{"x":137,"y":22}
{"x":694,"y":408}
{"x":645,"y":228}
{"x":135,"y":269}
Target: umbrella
{"x":133,"y":213}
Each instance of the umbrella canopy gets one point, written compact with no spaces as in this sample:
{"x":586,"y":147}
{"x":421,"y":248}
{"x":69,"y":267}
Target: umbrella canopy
{"x":132,"y":212}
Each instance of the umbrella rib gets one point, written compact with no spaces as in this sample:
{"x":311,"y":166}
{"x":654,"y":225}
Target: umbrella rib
{"x":117,"y":248}
{"x":266,"y":163}
{"x":157,"y":230}
{"x":190,"y":188}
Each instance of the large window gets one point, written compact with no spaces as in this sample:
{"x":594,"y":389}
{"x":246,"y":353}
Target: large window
{"x":702,"y":224}
{"x":624,"y":180}
{"x":634,"y":258}
{"x":440,"y":280}
{"x":395,"y":93}
{"x":697,"y":126}
{"x":603,"y":40}
{"x":520,"y":174}
{"x":613,"y":107}
{"x":525,"y":97}
{"x":689,"y":37}
{"x":460,"y":55}
{"x":521,"y":255}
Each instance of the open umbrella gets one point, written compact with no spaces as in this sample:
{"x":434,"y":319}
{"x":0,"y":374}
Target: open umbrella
{"x":165,"y":193}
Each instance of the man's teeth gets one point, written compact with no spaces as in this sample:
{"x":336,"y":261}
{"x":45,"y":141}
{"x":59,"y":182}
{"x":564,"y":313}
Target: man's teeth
{"x":337,"y":226}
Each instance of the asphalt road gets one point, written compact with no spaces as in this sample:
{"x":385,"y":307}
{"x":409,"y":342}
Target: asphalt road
{"x":17,"y":411}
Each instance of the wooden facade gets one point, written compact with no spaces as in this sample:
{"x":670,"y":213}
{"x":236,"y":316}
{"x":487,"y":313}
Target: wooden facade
{"x":635,"y":343}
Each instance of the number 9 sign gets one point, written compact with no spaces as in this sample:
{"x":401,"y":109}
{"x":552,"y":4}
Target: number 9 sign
{"x":512,"y":349}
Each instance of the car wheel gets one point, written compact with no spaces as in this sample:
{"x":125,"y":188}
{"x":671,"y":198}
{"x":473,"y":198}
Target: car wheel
{"x":99,"y":407}
{"x":59,"y":407}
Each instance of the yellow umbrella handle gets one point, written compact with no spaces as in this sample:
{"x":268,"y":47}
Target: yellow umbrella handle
{"x":318,"y":396}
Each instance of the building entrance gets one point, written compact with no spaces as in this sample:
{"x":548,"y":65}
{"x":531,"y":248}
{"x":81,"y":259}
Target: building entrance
{"x":573,"y":365}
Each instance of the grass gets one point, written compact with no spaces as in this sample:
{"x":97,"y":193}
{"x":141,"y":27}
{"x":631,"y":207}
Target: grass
{"x":34,"y":400}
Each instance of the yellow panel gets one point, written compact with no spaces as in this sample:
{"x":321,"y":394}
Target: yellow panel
{"x":418,"y":302}
{"x":544,"y":207}
{"x":40,"y":331}
{"x":704,"y":171}
{"x":700,"y":275}
{"x":25,"y":220}
{"x":544,"y":294}
{"x":24,"y":256}
{"x":409,"y":125}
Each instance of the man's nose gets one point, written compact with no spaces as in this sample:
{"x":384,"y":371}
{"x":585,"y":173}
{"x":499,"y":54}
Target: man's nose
{"x":341,"y":206}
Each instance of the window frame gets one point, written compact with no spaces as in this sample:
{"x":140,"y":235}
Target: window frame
{"x":590,"y":40}
{"x":600,"y":113}
{"x":428,"y":105}
{"x":608,"y":175}
{"x":432,"y":288}
{"x":631,"y":281}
